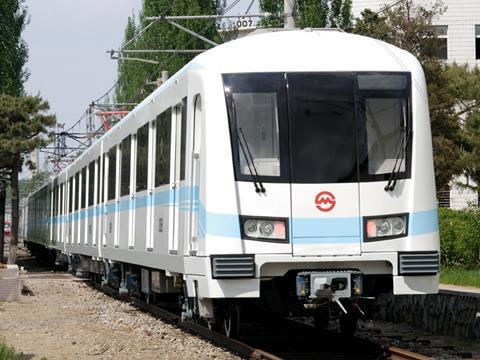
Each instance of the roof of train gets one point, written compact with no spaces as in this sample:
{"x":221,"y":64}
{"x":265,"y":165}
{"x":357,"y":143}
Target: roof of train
{"x":304,"y":50}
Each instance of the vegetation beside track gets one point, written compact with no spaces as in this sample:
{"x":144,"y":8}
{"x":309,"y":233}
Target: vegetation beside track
{"x":459,"y":275}
{"x":8,"y":353}
{"x":460,"y":238}
{"x":460,"y":246}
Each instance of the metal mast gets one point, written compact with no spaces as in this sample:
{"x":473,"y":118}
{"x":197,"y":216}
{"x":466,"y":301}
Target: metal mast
{"x":289,"y":8}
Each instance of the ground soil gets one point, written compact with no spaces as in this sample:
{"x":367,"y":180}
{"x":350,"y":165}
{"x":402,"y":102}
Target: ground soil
{"x":61,"y":317}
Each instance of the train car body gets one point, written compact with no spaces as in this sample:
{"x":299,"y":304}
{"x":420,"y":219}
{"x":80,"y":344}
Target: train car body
{"x":302,"y":155}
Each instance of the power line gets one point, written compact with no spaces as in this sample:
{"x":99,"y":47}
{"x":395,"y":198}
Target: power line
{"x":164,"y":63}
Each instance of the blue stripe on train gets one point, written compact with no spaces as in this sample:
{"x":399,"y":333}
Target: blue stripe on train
{"x":227,"y":225}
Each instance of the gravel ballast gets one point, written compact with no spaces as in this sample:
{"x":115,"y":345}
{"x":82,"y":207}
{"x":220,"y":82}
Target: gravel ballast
{"x":64,"y":318}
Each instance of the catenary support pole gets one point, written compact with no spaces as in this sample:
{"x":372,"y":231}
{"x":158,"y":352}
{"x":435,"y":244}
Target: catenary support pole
{"x":289,"y":8}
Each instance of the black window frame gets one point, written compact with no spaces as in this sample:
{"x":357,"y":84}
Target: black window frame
{"x":77,"y":191}
{"x":91,"y":184}
{"x":284,"y":124}
{"x":263,"y":83}
{"x":112,"y":173}
{"x":70,"y":194}
{"x":477,"y":42}
{"x":162,"y":173}
{"x":125,"y":166}
{"x":364,"y":176}
{"x":141,"y":166}
{"x":183,"y":138}
{"x":83,"y":197}
{"x":328,"y":77}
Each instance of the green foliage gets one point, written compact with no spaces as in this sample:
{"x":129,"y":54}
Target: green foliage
{"x":311,"y":13}
{"x":6,"y":352}
{"x":13,"y":50}
{"x":133,"y":75}
{"x":29,"y":186}
{"x":458,"y":275}
{"x":464,"y":86}
{"x":460,"y":237}
{"x":22,"y":122}
{"x":410,"y":27}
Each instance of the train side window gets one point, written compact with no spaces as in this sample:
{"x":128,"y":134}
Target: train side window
{"x":112,"y":164}
{"x":100,"y":176}
{"x":70,"y":195}
{"x":183,"y":140}
{"x":83,"y":193}
{"x":162,"y":149}
{"x":55,"y":198}
{"x":61,"y":198}
{"x":125,"y":175}
{"x":77,"y":191}
{"x":142,"y":158}
{"x":91,"y":182}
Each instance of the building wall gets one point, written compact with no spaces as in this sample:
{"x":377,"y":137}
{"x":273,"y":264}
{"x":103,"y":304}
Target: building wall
{"x":461,"y":17}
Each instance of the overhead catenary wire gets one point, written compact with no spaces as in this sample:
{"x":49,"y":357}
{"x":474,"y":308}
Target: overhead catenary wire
{"x":388,"y":7}
{"x":150,"y":78}
{"x":129,"y":42}
{"x":249,"y":6}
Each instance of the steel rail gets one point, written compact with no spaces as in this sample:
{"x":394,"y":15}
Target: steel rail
{"x":236,"y":346}
{"x":402,"y":354}
{"x":233,"y":345}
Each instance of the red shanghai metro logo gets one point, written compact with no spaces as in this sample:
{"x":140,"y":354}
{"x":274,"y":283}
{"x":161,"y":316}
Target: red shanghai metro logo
{"x":325,"y":201}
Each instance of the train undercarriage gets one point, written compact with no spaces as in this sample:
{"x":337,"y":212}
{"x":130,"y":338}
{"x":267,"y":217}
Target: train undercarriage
{"x":322,"y":296}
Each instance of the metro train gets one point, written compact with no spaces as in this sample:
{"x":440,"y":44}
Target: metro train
{"x":288,"y":169}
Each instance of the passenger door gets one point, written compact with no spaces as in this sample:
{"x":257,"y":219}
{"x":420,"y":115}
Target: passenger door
{"x":178,"y":176}
{"x":195,"y":177}
{"x":324,"y":176}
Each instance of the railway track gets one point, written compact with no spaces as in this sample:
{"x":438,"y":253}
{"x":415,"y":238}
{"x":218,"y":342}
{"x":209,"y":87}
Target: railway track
{"x":280,"y":339}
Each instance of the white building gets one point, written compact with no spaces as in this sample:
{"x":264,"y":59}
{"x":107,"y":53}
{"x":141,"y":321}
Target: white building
{"x":459,"y":26}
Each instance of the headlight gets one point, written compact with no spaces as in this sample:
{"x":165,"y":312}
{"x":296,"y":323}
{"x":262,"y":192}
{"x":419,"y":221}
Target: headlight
{"x":386,"y":227}
{"x":264,"y":229}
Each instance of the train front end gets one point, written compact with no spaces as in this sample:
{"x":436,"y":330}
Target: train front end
{"x":333,"y":195}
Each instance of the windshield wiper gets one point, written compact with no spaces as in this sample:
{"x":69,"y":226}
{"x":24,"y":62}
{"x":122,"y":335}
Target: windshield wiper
{"x":249,"y":158}
{"x":392,"y":181}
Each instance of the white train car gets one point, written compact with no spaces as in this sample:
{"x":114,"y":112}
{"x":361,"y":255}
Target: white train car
{"x":292,"y":167}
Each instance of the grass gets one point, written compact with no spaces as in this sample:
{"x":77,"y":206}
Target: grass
{"x":6,"y":352}
{"x":460,"y":276}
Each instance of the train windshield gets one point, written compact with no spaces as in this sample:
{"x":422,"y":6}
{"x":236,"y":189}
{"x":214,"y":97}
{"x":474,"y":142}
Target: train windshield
{"x":321,"y":127}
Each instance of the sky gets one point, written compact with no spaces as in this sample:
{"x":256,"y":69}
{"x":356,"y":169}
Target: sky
{"x":67,"y":43}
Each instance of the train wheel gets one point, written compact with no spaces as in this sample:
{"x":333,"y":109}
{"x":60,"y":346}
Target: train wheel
{"x":321,"y":319}
{"x":348,"y":324}
{"x":231,"y":321}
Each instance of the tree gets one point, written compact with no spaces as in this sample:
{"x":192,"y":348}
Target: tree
{"x":464,"y":86}
{"x":13,"y":50}
{"x":13,"y":57}
{"x":29,"y":186}
{"x":23,"y":123}
{"x":133,"y":75}
{"x":3,"y":191}
{"x":311,"y":13}
{"x":410,"y":27}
